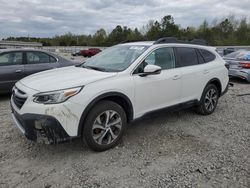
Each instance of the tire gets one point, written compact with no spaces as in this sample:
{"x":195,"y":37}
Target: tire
{"x":104,"y":126}
{"x":209,"y":100}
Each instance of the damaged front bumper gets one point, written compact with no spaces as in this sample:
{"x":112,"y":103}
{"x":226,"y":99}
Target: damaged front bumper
{"x":40,"y":128}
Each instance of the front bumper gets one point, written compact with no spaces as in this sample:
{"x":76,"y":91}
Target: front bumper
{"x":66,"y":114}
{"x":40,"y":128}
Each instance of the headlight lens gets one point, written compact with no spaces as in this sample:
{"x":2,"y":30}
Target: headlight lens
{"x":55,"y":97}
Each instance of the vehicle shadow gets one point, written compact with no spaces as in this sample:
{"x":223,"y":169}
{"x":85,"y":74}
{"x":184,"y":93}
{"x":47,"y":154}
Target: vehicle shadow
{"x":5,"y":97}
{"x":238,"y":81}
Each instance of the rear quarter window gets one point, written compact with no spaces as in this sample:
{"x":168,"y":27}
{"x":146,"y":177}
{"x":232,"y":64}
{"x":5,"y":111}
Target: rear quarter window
{"x":52,"y":59}
{"x":208,"y":56}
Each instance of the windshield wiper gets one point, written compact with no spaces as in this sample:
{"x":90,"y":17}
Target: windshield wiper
{"x":94,"y":68}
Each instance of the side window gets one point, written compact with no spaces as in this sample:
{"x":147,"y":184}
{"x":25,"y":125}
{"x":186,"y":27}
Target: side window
{"x":163,"y":57}
{"x":187,"y":56}
{"x":39,"y":57}
{"x":12,"y":58}
{"x":150,"y":59}
{"x":208,"y":56}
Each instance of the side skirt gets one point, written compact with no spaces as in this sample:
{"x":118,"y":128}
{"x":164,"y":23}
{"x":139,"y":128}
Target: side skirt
{"x":173,"y":108}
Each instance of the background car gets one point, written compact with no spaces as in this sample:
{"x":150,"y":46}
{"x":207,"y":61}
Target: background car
{"x":220,"y":51}
{"x":16,"y":64}
{"x":228,"y":51}
{"x":90,"y":52}
{"x":76,"y":53}
{"x":239,"y":64}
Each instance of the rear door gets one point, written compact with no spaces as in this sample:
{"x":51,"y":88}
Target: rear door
{"x":36,"y":61}
{"x":190,"y":63}
{"x":11,"y":70}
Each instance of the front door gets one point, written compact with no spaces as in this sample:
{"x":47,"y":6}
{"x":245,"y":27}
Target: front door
{"x":157,"y":91}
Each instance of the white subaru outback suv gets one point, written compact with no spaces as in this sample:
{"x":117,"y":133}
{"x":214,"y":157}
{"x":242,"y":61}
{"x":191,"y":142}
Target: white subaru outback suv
{"x":97,"y":99}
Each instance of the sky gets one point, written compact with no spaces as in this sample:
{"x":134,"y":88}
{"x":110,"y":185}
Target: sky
{"x":47,"y":18}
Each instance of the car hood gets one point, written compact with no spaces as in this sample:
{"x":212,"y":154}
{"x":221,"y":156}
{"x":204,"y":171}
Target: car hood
{"x":63,"y":78}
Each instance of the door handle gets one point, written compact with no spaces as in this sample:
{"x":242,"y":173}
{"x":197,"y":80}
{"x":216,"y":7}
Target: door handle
{"x":176,"y":77}
{"x":18,"y":71}
{"x":205,"y":71}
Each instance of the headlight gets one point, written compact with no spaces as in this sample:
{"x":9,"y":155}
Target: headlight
{"x":55,"y":97}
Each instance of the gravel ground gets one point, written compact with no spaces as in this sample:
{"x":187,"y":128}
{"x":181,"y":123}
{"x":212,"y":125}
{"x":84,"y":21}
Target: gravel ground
{"x":177,"y":149}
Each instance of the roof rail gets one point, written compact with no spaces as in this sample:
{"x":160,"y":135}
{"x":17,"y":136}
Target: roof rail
{"x":175,"y":40}
{"x":127,"y":41}
{"x":199,"y":42}
{"x":166,"y":40}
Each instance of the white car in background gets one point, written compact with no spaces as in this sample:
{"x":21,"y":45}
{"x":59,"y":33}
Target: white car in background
{"x":97,"y":99}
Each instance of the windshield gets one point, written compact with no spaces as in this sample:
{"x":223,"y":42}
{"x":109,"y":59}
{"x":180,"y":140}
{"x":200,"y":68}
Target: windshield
{"x":115,"y":59}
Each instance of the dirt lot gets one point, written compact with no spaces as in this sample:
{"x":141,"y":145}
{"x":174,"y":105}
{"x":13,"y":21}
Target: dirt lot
{"x":163,"y":150}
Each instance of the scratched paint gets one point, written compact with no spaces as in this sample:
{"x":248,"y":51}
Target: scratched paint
{"x":63,"y":114}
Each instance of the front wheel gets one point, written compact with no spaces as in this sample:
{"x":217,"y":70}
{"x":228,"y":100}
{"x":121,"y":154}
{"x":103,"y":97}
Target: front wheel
{"x":209,"y":100}
{"x":104,"y":126}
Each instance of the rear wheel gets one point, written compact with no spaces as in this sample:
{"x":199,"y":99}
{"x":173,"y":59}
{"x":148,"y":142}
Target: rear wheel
{"x":104,"y":126}
{"x":209,"y":100}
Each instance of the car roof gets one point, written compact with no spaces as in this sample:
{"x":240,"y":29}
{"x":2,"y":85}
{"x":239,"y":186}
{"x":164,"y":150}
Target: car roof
{"x":244,"y":51}
{"x":237,"y":54}
{"x":21,"y":49}
{"x":31,"y":50}
{"x":151,"y":43}
{"x":140,"y":43}
{"x":28,"y":49}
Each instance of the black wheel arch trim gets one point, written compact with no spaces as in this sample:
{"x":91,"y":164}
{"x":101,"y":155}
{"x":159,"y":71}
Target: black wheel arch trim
{"x":99,"y":98}
{"x":215,"y":80}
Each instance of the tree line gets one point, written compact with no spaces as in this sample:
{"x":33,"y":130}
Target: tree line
{"x":226,"y":31}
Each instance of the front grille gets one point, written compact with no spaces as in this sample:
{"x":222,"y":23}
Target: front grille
{"x":19,"y":97}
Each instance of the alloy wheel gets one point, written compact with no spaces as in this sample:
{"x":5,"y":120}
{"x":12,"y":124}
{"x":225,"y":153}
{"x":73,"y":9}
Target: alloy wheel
{"x":211,"y":100}
{"x":107,"y":127}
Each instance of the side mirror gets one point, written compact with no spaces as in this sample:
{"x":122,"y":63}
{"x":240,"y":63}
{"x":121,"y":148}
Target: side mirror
{"x":151,"y":70}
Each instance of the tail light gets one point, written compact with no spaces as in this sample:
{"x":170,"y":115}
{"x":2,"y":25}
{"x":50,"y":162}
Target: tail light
{"x":245,"y":65}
